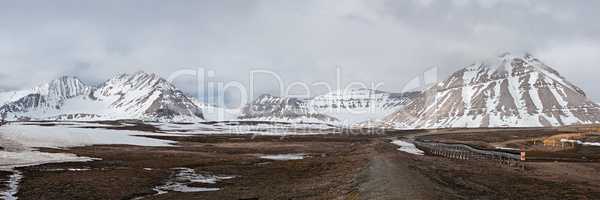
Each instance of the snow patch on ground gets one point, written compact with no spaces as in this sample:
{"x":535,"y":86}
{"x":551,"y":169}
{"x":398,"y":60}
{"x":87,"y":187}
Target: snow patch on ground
{"x":507,"y":148}
{"x":67,"y":169}
{"x":13,"y":186}
{"x":183,"y":177}
{"x":408,"y":147}
{"x":10,"y":160}
{"x":581,"y":142}
{"x":294,"y":156}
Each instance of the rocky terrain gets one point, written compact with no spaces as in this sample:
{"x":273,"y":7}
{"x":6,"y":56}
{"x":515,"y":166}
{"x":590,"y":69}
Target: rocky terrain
{"x":339,"y":107}
{"x":272,"y":108}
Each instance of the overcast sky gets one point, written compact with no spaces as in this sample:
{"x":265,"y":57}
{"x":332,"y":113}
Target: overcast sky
{"x":370,"y":41}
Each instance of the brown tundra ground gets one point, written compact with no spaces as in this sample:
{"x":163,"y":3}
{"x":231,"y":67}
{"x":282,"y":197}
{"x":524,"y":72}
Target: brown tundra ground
{"x":334,"y":167}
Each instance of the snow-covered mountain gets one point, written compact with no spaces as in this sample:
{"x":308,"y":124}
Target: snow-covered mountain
{"x":508,"y":91}
{"x":359,"y":105}
{"x":271,"y":108}
{"x":342,"y":108}
{"x":143,"y":95}
{"x":49,"y":97}
{"x":136,"y":96}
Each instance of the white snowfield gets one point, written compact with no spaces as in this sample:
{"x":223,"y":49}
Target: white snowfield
{"x":72,"y":136}
{"x":237,"y":127}
{"x":20,"y":140}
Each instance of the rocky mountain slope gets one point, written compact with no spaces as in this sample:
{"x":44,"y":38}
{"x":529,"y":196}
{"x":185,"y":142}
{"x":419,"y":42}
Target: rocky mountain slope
{"x":343,"y":108}
{"x":509,"y":91}
{"x":359,"y":105}
{"x":136,"y":96}
{"x":143,"y":95}
{"x":272,"y":108}
{"x":49,"y":97}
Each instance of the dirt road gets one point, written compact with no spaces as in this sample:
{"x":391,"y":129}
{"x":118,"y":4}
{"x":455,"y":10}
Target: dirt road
{"x":390,"y":176}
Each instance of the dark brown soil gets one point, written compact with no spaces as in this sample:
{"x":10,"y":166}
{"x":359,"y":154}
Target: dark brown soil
{"x":492,"y":180}
{"x":328,"y":172}
{"x":338,"y":167}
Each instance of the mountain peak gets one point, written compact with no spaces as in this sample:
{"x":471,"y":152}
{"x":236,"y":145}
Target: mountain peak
{"x":508,"y":64}
{"x":67,"y":87}
{"x":505,"y":91}
{"x":509,"y":56}
{"x":67,"y":77}
{"x":139,"y":80}
{"x":145,"y":74}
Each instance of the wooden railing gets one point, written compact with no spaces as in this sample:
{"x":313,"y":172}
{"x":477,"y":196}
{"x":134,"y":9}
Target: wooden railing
{"x":464,"y":152}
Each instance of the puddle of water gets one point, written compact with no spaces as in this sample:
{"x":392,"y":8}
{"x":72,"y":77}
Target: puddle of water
{"x":408,"y":147}
{"x":297,"y":156}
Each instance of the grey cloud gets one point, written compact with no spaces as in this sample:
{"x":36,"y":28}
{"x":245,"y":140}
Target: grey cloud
{"x":370,"y":40}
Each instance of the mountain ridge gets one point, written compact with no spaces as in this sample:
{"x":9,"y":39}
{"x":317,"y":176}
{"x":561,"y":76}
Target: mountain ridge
{"x":126,"y":96}
{"x":506,"y":91}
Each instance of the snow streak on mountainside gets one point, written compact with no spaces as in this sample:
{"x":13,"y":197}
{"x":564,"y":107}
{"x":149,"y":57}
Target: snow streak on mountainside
{"x":143,"y":95}
{"x":272,"y":108}
{"x":359,"y":105}
{"x":48,"y":97}
{"x":509,"y":91}
{"x":343,"y":108}
{"x":137,"y":96}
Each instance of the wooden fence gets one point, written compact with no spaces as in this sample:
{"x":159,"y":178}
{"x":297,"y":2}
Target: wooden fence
{"x":464,"y":152}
